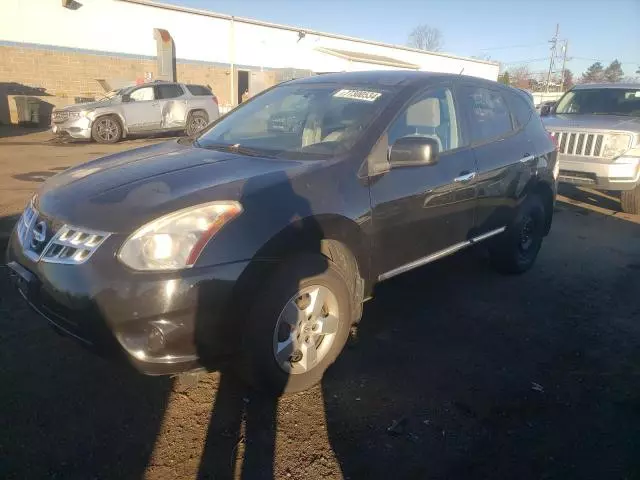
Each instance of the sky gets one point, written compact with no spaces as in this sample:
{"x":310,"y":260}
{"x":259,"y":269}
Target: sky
{"x":512,"y":32}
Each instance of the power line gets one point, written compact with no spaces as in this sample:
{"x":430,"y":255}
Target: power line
{"x":513,"y":46}
{"x":531,"y":60}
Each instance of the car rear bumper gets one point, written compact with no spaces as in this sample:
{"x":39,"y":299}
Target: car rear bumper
{"x":161,"y":323}
{"x":606,"y":175}
{"x":80,"y":128}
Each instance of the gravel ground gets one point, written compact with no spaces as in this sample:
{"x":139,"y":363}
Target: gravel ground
{"x":456,"y":372}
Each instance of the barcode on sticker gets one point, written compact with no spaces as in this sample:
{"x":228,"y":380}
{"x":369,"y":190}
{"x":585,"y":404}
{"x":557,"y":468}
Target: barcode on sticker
{"x":363,"y":95}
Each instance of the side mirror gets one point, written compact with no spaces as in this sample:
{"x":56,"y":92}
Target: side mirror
{"x":414,"y":151}
{"x":545,"y":110}
{"x":126,"y":98}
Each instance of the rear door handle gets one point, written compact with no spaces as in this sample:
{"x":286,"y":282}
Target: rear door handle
{"x":467,"y":177}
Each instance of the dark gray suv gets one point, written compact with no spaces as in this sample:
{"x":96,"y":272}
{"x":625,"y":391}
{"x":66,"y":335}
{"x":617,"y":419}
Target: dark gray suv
{"x":256,"y":243}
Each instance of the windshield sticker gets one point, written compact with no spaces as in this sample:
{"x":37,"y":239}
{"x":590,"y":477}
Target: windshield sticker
{"x":362,"y":95}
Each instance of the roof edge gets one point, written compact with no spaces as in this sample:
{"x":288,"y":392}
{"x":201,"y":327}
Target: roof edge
{"x":207,"y":13}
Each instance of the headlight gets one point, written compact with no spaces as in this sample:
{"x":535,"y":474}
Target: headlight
{"x":615,"y":145}
{"x":175,"y":240}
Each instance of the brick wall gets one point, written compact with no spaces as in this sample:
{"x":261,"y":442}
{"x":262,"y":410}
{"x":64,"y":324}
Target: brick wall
{"x":57,"y":76}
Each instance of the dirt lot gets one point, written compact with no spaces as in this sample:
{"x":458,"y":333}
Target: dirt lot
{"x":457,"y":372}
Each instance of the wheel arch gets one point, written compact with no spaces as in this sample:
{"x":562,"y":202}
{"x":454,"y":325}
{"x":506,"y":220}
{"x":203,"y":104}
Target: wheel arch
{"x":545,"y":192}
{"x":119,"y":117}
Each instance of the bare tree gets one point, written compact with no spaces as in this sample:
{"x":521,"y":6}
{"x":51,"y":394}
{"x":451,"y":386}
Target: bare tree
{"x":425,"y":37}
{"x":520,"y":76}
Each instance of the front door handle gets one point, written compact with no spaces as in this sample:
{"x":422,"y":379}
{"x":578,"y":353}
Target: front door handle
{"x":467,"y":177}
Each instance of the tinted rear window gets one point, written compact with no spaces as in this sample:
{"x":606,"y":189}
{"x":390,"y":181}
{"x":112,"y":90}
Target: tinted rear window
{"x":489,"y":114}
{"x":199,"y":90}
{"x":169,"y":91}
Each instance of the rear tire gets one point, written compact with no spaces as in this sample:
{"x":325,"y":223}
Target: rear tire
{"x":106,"y":129}
{"x":630,"y":200}
{"x":516,"y":250}
{"x":196,"y":122}
{"x":302,"y":283}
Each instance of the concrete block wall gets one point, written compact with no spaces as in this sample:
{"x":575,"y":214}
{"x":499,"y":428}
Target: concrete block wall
{"x":58,"y":76}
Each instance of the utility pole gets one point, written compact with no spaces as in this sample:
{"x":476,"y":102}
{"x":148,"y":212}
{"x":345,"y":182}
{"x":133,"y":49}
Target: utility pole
{"x":554,"y":46}
{"x":564,"y":62}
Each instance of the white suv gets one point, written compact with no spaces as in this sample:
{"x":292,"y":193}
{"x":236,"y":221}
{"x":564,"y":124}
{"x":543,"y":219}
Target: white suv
{"x":147,"y":108}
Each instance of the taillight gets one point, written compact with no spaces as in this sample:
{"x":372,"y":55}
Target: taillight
{"x":215,"y":99}
{"x":553,"y":139}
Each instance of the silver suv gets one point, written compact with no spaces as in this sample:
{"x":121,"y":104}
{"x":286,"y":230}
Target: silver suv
{"x":147,"y":108}
{"x":597,"y":129}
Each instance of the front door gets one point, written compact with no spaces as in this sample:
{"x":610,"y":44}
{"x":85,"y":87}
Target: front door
{"x":142,"y":112}
{"x":421,"y":211}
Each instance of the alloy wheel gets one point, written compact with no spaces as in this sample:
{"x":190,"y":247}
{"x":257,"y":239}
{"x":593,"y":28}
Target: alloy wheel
{"x":107,"y":129}
{"x":306,"y":329}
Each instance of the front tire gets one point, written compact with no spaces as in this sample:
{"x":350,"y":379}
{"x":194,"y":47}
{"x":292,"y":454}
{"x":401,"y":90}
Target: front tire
{"x":298,"y":326}
{"x":630,"y":201}
{"x":516,"y":250}
{"x":106,"y":129}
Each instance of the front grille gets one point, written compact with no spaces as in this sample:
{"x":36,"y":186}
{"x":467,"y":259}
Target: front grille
{"x":61,"y":116}
{"x":584,"y":144}
{"x":41,"y":240}
{"x":73,"y":245}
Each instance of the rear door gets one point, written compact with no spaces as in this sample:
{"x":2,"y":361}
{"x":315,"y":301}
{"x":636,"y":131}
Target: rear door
{"x":142,"y":112}
{"x":419,"y":211}
{"x":173,"y":106}
{"x":502,"y":152}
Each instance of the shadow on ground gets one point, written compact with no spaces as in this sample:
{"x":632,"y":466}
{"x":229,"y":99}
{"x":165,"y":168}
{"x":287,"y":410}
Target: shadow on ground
{"x":456,"y":372}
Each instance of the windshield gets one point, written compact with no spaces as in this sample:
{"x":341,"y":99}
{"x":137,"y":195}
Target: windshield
{"x":110,"y":95}
{"x":299,"y":120}
{"x":601,"y":101}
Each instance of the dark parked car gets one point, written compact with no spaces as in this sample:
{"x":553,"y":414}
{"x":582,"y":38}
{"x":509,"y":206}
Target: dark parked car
{"x":260,"y":244}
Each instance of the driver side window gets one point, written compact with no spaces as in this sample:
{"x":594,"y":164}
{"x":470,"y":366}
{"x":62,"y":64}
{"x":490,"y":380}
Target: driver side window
{"x":431,"y":115}
{"x":143,"y":94}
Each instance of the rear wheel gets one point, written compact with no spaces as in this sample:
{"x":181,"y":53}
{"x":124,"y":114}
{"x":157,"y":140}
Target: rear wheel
{"x":196,"y":122}
{"x":516,"y":250}
{"x":298,"y":326}
{"x":630,"y":200}
{"x":106,"y":129}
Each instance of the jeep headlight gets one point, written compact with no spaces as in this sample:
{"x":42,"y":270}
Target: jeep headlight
{"x":615,"y":145}
{"x":175,"y":241}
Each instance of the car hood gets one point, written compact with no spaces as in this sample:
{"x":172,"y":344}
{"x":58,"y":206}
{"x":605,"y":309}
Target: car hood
{"x":592,"y":122}
{"x":121,"y":192}
{"x":79,"y":107}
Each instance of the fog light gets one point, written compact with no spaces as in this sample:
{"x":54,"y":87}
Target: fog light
{"x":155,"y":340}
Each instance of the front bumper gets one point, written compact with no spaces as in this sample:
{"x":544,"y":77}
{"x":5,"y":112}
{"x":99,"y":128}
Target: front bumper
{"x":604,"y":174}
{"x":78,"y":128}
{"x":161,"y":323}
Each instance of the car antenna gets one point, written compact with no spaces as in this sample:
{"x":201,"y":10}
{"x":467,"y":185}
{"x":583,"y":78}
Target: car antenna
{"x":461,"y":71}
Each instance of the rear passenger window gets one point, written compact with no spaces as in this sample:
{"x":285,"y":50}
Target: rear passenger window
{"x":521,"y":109}
{"x":199,"y":90}
{"x":169,"y":91}
{"x":488,"y":112}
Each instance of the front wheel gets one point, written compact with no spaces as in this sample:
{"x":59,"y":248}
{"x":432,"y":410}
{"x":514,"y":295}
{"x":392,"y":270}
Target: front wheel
{"x":106,"y":129}
{"x":630,"y":201}
{"x":516,"y":250}
{"x":298,"y":325}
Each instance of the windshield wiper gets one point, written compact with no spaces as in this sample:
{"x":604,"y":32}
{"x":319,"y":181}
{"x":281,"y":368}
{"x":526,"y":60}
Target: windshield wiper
{"x":237,"y":148}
